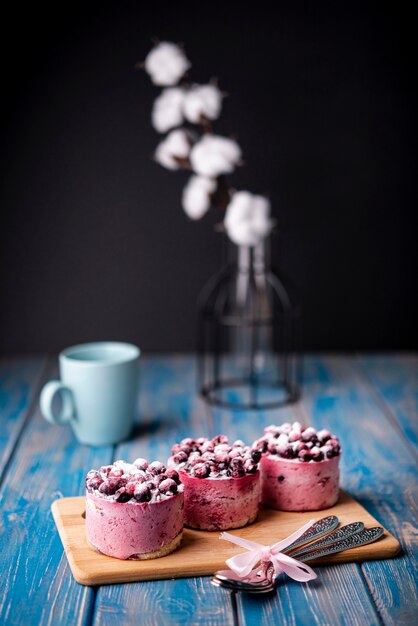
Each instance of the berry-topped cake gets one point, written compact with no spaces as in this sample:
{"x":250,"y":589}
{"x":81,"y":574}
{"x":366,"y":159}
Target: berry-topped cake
{"x":134,"y":510}
{"x":299,"y":467}
{"x":221,"y":482}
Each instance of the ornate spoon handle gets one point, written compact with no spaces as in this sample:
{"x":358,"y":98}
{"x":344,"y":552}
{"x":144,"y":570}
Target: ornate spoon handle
{"x":260,"y":580}
{"x":338,"y":535}
{"x":368,"y":535}
{"x":320,"y":528}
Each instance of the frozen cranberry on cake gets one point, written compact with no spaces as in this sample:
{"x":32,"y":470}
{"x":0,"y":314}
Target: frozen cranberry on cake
{"x":299,"y":467}
{"x":221,"y":482}
{"x":134,"y":510}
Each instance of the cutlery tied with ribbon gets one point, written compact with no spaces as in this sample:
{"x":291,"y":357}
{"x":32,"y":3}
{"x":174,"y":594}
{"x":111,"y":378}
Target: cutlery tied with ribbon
{"x":243,"y":563}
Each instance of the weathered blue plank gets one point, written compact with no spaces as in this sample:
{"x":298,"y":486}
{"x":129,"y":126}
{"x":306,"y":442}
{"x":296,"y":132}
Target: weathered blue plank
{"x":378,"y":468}
{"x":339,"y":595}
{"x":181,"y":602}
{"x":19,"y":382}
{"x":37,"y":585}
{"x":169,"y":411}
{"x":396,"y":381}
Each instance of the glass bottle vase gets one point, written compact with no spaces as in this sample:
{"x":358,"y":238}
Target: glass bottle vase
{"x":246,"y":334}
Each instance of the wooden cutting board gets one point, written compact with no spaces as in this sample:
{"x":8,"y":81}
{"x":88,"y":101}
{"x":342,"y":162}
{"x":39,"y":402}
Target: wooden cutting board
{"x":201,"y":552}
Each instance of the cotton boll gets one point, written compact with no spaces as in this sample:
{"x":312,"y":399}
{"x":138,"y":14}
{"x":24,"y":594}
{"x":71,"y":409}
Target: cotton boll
{"x":214,"y":155}
{"x":196,"y":196}
{"x":174,"y":148}
{"x":202,"y":101}
{"x":166,"y":63}
{"x":260,"y":211}
{"x":239,"y":209}
{"x":242,"y":234}
{"x":167,"y":111}
{"x":247,"y":220}
{"x":260,"y":208}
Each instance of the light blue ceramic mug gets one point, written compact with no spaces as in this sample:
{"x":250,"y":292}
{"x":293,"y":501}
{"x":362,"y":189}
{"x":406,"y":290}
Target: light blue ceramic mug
{"x":98,"y":391}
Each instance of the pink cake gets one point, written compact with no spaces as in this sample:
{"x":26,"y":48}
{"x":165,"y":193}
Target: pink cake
{"x":299,"y":468}
{"x":134,"y":511}
{"x":221,"y":482}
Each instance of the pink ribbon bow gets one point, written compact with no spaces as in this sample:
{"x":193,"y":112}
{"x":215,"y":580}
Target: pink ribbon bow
{"x":243,"y":563}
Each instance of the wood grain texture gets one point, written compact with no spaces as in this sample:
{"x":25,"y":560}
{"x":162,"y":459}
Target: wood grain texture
{"x":338,"y":597}
{"x":294,"y":604}
{"x":395,"y":379}
{"x":182,"y":602}
{"x":19,"y":382}
{"x":378,"y":468}
{"x":169,"y":410}
{"x":37,"y":586}
{"x":202,"y":553}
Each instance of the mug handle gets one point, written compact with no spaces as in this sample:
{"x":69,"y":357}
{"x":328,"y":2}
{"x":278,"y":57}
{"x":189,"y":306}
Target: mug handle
{"x":48,"y":394}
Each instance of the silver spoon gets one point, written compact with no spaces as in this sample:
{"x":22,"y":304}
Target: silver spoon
{"x":260,"y":580}
{"x":317,"y":530}
{"x":362,"y":538}
{"x":320,"y":528}
{"x":260,"y":587}
{"x":341,"y":533}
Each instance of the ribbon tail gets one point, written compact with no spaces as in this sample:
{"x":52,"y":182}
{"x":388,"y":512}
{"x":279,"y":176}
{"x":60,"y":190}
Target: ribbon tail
{"x":240,"y":541}
{"x":276,"y":565}
{"x":280,"y":545}
{"x":295,"y":569}
{"x":243,"y":563}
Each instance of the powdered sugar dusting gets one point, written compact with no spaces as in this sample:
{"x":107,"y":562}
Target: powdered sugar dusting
{"x":135,"y":482}
{"x":296,"y":441}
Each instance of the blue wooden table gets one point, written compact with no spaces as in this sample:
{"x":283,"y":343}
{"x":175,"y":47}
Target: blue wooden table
{"x":370,"y":401}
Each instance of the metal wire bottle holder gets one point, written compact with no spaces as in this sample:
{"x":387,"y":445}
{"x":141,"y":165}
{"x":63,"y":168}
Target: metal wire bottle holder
{"x":246,"y":337}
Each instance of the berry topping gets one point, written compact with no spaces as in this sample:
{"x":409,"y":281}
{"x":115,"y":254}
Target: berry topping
{"x":105,"y":489}
{"x":295,"y":441}
{"x":220,"y":439}
{"x":237,"y":461}
{"x":250,"y":466}
{"x":122,"y":495}
{"x":141,"y":464}
{"x":222,"y":458}
{"x":95,"y":479}
{"x":142,"y":492}
{"x":214,"y":458}
{"x":238,"y":472}
{"x":180,"y":457}
{"x":171,"y":473}
{"x":304,"y":455}
{"x":256,"y":455}
{"x":168,"y":485}
{"x":115,"y":472}
{"x":134,"y":482}
{"x":156,"y":468}
{"x":201,"y":470}
{"x":130,"y":488}
{"x":323,"y":435}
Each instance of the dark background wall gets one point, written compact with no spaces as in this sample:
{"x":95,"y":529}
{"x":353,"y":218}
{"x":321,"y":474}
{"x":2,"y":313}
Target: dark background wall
{"x":93,"y":241}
